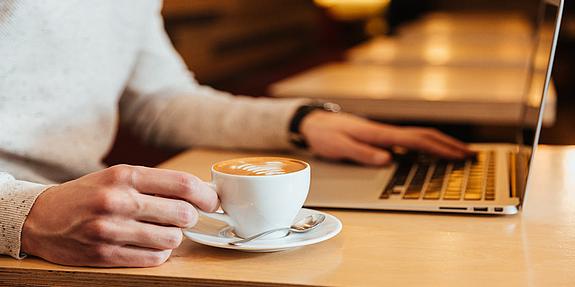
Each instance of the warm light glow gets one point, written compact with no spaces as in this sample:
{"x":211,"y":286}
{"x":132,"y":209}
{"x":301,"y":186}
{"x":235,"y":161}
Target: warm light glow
{"x":353,"y":9}
{"x":535,"y":92}
{"x":437,"y":54}
{"x":434,"y":85}
{"x":331,"y":3}
{"x":443,"y":26}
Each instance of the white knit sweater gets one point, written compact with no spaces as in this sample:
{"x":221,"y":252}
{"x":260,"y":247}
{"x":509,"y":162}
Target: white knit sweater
{"x":69,"y":69}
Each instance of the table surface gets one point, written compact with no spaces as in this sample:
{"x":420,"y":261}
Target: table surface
{"x":441,"y":51}
{"x":419,"y":83}
{"x":426,"y":93}
{"x":535,"y":247}
{"x":470,"y":26}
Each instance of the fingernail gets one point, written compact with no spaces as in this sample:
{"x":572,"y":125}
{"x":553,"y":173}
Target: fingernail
{"x":381,"y":158}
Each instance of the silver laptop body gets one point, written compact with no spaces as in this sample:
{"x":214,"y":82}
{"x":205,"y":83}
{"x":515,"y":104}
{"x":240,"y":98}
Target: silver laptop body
{"x":493,"y":183}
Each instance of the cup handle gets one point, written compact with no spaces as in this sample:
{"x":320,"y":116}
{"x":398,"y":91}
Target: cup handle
{"x":220,"y":216}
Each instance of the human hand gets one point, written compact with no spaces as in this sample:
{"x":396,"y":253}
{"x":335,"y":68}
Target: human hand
{"x":121,"y":216}
{"x":345,"y":136}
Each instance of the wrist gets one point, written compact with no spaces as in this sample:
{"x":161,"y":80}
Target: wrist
{"x":310,"y":122}
{"x":303,"y":115}
{"x":29,"y":234}
{"x":26,"y":241}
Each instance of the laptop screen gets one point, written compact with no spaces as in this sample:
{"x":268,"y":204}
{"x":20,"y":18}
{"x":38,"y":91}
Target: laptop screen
{"x":537,"y":88}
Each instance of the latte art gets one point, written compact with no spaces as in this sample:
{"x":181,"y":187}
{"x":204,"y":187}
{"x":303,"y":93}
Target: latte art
{"x":260,"y":166}
{"x":268,"y":168}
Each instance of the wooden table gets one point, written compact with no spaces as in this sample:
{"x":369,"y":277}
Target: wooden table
{"x":441,"y":50}
{"x":533,"y":248}
{"x":460,"y":95}
{"x":489,"y":25}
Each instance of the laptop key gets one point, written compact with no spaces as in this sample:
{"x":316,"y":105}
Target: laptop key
{"x":435,"y":193}
{"x":397,"y":182}
{"x":455,"y":182}
{"x":433,"y":190}
{"x":413,"y":191}
{"x":478,"y":184}
{"x":474,"y":188}
{"x":490,"y":181}
{"x":472,"y":196}
{"x":436,"y":182}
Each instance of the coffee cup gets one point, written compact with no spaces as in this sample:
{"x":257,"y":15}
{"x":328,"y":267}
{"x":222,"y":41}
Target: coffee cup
{"x":258,"y":194}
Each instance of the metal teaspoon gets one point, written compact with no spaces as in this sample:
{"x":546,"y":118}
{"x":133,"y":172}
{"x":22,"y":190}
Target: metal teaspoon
{"x":304,"y":225}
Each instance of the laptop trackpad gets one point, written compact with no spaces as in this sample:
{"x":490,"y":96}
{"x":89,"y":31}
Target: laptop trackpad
{"x":340,"y":182}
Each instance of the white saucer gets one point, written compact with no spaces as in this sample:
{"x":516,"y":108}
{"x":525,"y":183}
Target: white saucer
{"x":217,"y":234}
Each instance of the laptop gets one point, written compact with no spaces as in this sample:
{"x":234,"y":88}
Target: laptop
{"x":494,"y":182}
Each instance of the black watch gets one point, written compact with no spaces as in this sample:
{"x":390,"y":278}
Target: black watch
{"x":296,"y":136}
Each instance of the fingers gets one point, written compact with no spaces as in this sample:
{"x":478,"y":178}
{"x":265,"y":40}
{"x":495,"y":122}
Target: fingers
{"x":422,"y":142}
{"x":140,"y":257}
{"x":149,"y":236}
{"x":176,"y":184}
{"x":167,"y":183}
{"x":133,"y":233}
{"x":166,"y":211}
{"x":114,"y":255}
{"x":445,"y":139}
{"x":363,"y":153}
{"x":423,"y":139}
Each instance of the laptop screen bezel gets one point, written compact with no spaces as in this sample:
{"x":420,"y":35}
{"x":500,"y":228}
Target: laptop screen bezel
{"x":541,"y":22}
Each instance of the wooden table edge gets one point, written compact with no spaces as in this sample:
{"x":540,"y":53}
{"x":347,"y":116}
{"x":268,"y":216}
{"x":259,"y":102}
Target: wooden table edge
{"x":10,"y":276}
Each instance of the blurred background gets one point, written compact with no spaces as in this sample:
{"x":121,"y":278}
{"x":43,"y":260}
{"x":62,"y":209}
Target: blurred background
{"x":247,"y":47}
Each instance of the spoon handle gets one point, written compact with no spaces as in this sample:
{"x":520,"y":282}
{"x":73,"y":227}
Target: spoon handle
{"x":245,"y":240}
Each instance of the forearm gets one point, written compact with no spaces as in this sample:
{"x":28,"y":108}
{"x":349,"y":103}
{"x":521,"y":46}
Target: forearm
{"x":165,"y":105}
{"x":16,"y":200}
{"x":205,"y":117}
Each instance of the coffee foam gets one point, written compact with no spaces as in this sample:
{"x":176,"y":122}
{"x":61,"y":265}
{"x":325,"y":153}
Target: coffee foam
{"x":266,"y":168}
{"x":260,"y":166}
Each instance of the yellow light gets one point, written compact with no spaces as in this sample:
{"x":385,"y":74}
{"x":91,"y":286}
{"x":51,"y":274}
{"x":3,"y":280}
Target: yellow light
{"x":437,"y":54}
{"x":330,"y":3}
{"x":434,"y":84}
{"x":353,"y":9}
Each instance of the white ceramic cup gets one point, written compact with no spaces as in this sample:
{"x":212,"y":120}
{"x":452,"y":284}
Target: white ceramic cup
{"x":254,"y":204}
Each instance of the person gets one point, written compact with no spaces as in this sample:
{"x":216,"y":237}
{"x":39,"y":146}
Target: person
{"x":71,"y":71}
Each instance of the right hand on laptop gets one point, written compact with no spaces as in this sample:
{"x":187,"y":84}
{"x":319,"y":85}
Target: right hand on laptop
{"x":121,"y":216}
{"x":345,"y":136}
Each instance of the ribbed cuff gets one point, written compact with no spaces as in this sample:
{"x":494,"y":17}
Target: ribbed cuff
{"x":16,"y":200}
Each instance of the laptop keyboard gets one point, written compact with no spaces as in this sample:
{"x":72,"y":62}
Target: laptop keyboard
{"x":427,"y":178}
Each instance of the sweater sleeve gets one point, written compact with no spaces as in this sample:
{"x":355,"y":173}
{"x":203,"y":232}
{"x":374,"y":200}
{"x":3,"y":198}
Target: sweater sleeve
{"x":165,"y":105}
{"x":16,"y":200}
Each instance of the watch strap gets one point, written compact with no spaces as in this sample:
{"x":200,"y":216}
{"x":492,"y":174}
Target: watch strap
{"x":296,"y":137}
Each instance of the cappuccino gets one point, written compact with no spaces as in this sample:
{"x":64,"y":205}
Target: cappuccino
{"x":259,"y":166}
{"x":259,"y":193}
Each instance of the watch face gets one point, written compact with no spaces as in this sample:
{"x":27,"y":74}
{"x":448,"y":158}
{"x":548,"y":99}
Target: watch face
{"x":332,"y":107}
